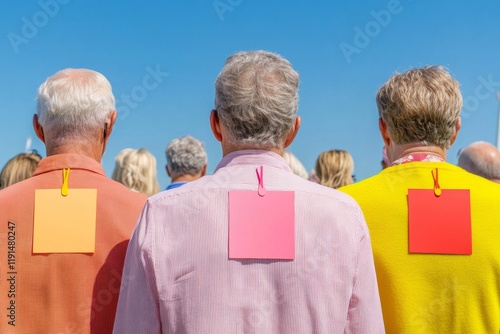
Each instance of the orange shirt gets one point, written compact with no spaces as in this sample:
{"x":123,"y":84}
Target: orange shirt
{"x":63,"y":293}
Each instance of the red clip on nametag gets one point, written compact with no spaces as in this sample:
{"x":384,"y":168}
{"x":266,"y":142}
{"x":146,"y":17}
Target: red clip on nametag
{"x":261,"y":223}
{"x":439,"y":220}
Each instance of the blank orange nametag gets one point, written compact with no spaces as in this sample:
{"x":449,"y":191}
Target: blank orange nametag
{"x":439,"y":223}
{"x":261,"y":226}
{"x":65,"y":224}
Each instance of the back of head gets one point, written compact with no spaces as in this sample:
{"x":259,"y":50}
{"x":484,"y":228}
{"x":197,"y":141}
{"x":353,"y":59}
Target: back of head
{"x":73,"y":105}
{"x":136,"y":169}
{"x":334,"y":168}
{"x":186,"y":156}
{"x":256,"y":99}
{"x":19,"y":168}
{"x":482,"y":159}
{"x":421,"y":106}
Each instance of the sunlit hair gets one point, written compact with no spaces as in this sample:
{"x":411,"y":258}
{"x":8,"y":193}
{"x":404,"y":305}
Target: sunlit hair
{"x":256,"y":99}
{"x":19,"y":168}
{"x":186,"y":156}
{"x":334,"y":168}
{"x":136,"y":169}
{"x":73,"y":104}
{"x":295,"y":164}
{"x":481,"y":158}
{"x":421,"y":106}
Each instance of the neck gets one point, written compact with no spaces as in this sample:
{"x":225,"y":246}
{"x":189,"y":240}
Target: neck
{"x":185,"y":178}
{"x":226,"y":149}
{"x":396,"y":152}
{"x":86,"y":149}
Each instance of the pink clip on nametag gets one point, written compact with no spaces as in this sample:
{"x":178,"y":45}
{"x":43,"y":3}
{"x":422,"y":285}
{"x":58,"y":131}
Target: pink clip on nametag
{"x":261,"y":223}
{"x":439,"y":220}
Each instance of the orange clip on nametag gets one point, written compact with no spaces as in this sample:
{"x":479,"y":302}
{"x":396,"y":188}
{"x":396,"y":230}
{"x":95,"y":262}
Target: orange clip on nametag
{"x":261,"y":223}
{"x":439,"y":220}
{"x":64,"y":219}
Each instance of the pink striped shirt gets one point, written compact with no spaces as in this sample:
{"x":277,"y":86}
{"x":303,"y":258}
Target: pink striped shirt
{"x":178,"y":278}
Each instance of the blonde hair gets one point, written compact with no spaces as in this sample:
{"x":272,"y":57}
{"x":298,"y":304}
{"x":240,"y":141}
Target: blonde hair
{"x":136,"y":169}
{"x":295,"y":164}
{"x":334,"y":168}
{"x":19,"y":168}
{"x":421,"y":106}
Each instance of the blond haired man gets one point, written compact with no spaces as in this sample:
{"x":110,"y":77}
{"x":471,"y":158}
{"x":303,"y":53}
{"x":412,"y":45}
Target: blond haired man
{"x":434,"y":226}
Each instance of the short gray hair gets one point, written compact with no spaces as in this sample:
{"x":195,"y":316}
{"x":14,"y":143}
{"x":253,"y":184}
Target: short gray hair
{"x":421,"y":105}
{"x":186,"y":156}
{"x":74,"y":102}
{"x":256,"y":98}
{"x":482,"y":159}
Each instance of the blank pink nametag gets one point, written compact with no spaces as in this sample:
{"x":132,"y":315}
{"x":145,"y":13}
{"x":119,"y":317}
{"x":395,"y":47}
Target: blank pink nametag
{"x":261,"y":227}
{"x":439,"y":225}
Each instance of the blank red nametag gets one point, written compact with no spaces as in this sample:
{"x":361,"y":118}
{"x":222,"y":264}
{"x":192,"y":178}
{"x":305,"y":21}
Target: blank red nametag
{"x":439,"y":224}
{"x":261,"y":227}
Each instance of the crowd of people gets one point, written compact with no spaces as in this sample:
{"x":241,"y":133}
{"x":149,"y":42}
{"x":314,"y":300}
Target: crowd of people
{"x":261,"y":245}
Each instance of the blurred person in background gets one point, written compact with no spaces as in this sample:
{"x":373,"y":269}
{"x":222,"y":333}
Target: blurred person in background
{"x":186,"y":161}
{"x":434,"y":226}
{"x":335,"y":168}
{"x":188,"y":277}
{"x":136,"y":169}
{"x":68,"y":225}
{"x":19,"y":168}
{"x":295,"y":164}
{"x":481,"y":158}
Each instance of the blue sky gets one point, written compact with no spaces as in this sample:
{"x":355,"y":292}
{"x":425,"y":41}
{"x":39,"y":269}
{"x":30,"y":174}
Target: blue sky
{"x":343,"y":50}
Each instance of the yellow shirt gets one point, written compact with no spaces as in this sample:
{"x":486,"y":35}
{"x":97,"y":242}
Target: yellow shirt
{"x":427,"y":293}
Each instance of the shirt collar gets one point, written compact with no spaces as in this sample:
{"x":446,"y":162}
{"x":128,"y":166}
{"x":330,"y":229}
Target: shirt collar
{"x":174,"y":185}
{"x":72,"y":161}
{"x":255,"y":158}
{"x":418,"y":157}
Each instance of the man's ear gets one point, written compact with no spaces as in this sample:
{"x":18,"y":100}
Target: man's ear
{"x":204,"y":170}
{"x":38,"y":128}
{"x":293,"y":132}
{"x":215,"y":125}
{"x":110,"y":123}
{"x":458,"y":125}
{"x":384,"y":132}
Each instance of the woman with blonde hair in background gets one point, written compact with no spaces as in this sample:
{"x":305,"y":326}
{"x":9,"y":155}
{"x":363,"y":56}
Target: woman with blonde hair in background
{"x":136,"y":169}
{"x":334,"y":168}
{"x":19,"y":168}
{"x":295,"y":164}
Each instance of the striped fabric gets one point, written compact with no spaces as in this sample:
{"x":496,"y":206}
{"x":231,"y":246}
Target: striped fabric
{"x":179,"y":278}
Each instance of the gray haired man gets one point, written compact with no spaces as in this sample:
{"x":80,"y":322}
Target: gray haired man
{"x":252,"y":248}
{"x":186,"y":160}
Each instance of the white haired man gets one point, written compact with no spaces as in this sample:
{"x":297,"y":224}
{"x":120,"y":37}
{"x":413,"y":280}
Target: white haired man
{"x":481,"y":158}
{"x":434,"y":226}
{"x":65,"y":230}
{"x":186,"y":161}
{"x":220,"y":255}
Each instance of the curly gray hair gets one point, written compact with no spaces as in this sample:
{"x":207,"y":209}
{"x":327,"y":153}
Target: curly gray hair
{"x":186,"y":156}
{"x":256,"y":98}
